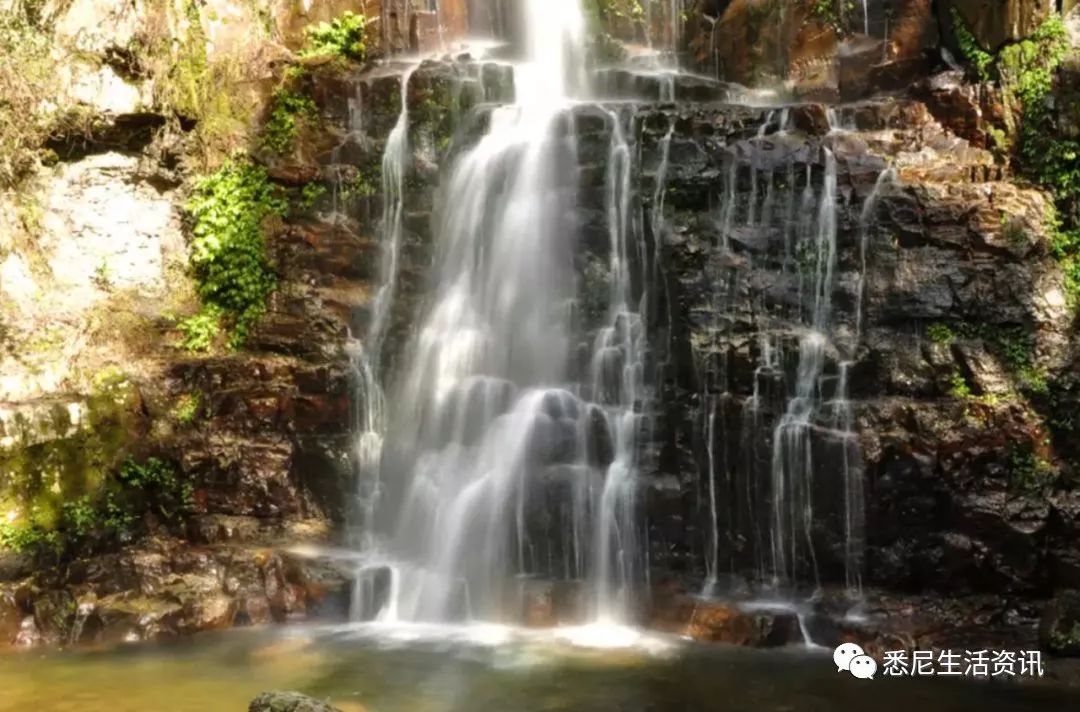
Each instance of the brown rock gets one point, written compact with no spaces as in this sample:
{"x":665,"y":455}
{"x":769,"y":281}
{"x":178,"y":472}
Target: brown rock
{"x":722,"y":622}
{"x":215,"y":611}
{"x":545,"y":603}
{"x":125,"y":617}
{"x":11,"y":615}
{"x":254,"y":610}
{"x":811,"y":119}
{"x":995,"y":22}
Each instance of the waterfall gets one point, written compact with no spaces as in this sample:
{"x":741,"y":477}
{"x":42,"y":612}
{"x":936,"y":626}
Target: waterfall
{"x":370,"y":402}
{"x":792,"y":459}
{"x":772,"y":487}
{"x":493,"y":442}
{"x":866,"y":221}
{"x":618,"y":381}
{"x":843,"y":413}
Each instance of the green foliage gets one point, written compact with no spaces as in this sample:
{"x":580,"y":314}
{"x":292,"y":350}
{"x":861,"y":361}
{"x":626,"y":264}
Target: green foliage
{"x":1065,"y":642}
{"x":603,"y":16}
{"x":1014,"y":346}
{"x":202,"y":329}
{"x":825,"y":12}
{"x":1028,"y":472}
{"x":310,"y":194}
{"x":1027,"y":67}
{"x":940,"y":333}
{"x":341,"y":37}
{"x":155,"y":483}
{"x":228,"y":259}
{"x":109,"y":513}
{"x":363,"y":185}
{"x":603,"y":12}
{"x":1027,"y":74}
{"x":212,"y":91}
{"x":970,"y":48}
{"x":188,"y":408}
{"x":187,"y":75}
{"x":958,"y":386}
{"x":287,"y":111}
{"x":27,"y":538}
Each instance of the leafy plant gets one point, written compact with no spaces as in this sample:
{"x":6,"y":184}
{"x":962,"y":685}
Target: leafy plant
{"x":1028,"y":472}
{"x":228,"y":258}
{"x":109,"y":512}
{"x":158,"y":485}
{"x":287,"y":111}
{"x":362,"y":186}
{"x":310,"y":194}
{"x":970,"y":48}
{"x":341,"y":37}
{"x":202,"y":329}
{"x":940,"y":333}
{"x":825,"y":12}
{"x":958,"y":386}
{"x":1026,"y":72}
{"x":187,"y":408}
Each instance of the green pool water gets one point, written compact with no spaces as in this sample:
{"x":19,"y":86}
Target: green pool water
{"x":444,"y":671}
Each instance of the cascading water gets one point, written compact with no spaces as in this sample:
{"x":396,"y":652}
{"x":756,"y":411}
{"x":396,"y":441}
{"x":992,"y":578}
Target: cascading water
{"x":796,"y":443}
{"x":509,"y":461}
{"x":370,"y":413}
{"x":792,"y":462}
{"x":508,"y":456}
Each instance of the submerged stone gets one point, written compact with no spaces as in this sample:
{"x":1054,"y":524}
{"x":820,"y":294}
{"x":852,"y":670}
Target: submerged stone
{"x":277,"y":701}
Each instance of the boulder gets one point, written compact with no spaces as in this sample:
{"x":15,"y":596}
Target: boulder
{"x":722,"y":621}
{"x":11,"y":615}
{"x":1059,"y":626}
{"x":278,"y":701}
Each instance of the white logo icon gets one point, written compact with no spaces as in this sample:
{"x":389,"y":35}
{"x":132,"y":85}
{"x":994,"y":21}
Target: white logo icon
{"x":844,"y":654}
{"x":863,"y":666}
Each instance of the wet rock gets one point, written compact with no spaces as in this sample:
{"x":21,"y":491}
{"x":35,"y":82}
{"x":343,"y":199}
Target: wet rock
{"x":11,"y":615}
{"x":125,"y":618}
{"x":1059,"y":626}
{"x":277,"y":701}
{"x":213,"y":611}
{"x":811,"y":119}
{"x":722,"y":622}
{"x":28,"y":635}
{"x":54,"y":613}
{"x":975,"y":112}
{"x":545,"y":603}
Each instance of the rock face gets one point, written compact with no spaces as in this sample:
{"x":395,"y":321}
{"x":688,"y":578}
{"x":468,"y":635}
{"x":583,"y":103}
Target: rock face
{"x":876,"y":245}
{"x":167,"y":587}
{"x":948,"y":325}
{"x":820,"y":50}
{"x":994,"y":22}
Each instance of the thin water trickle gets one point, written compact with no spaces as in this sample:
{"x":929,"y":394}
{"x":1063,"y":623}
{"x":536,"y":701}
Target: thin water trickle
{"x":370,"y":403}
